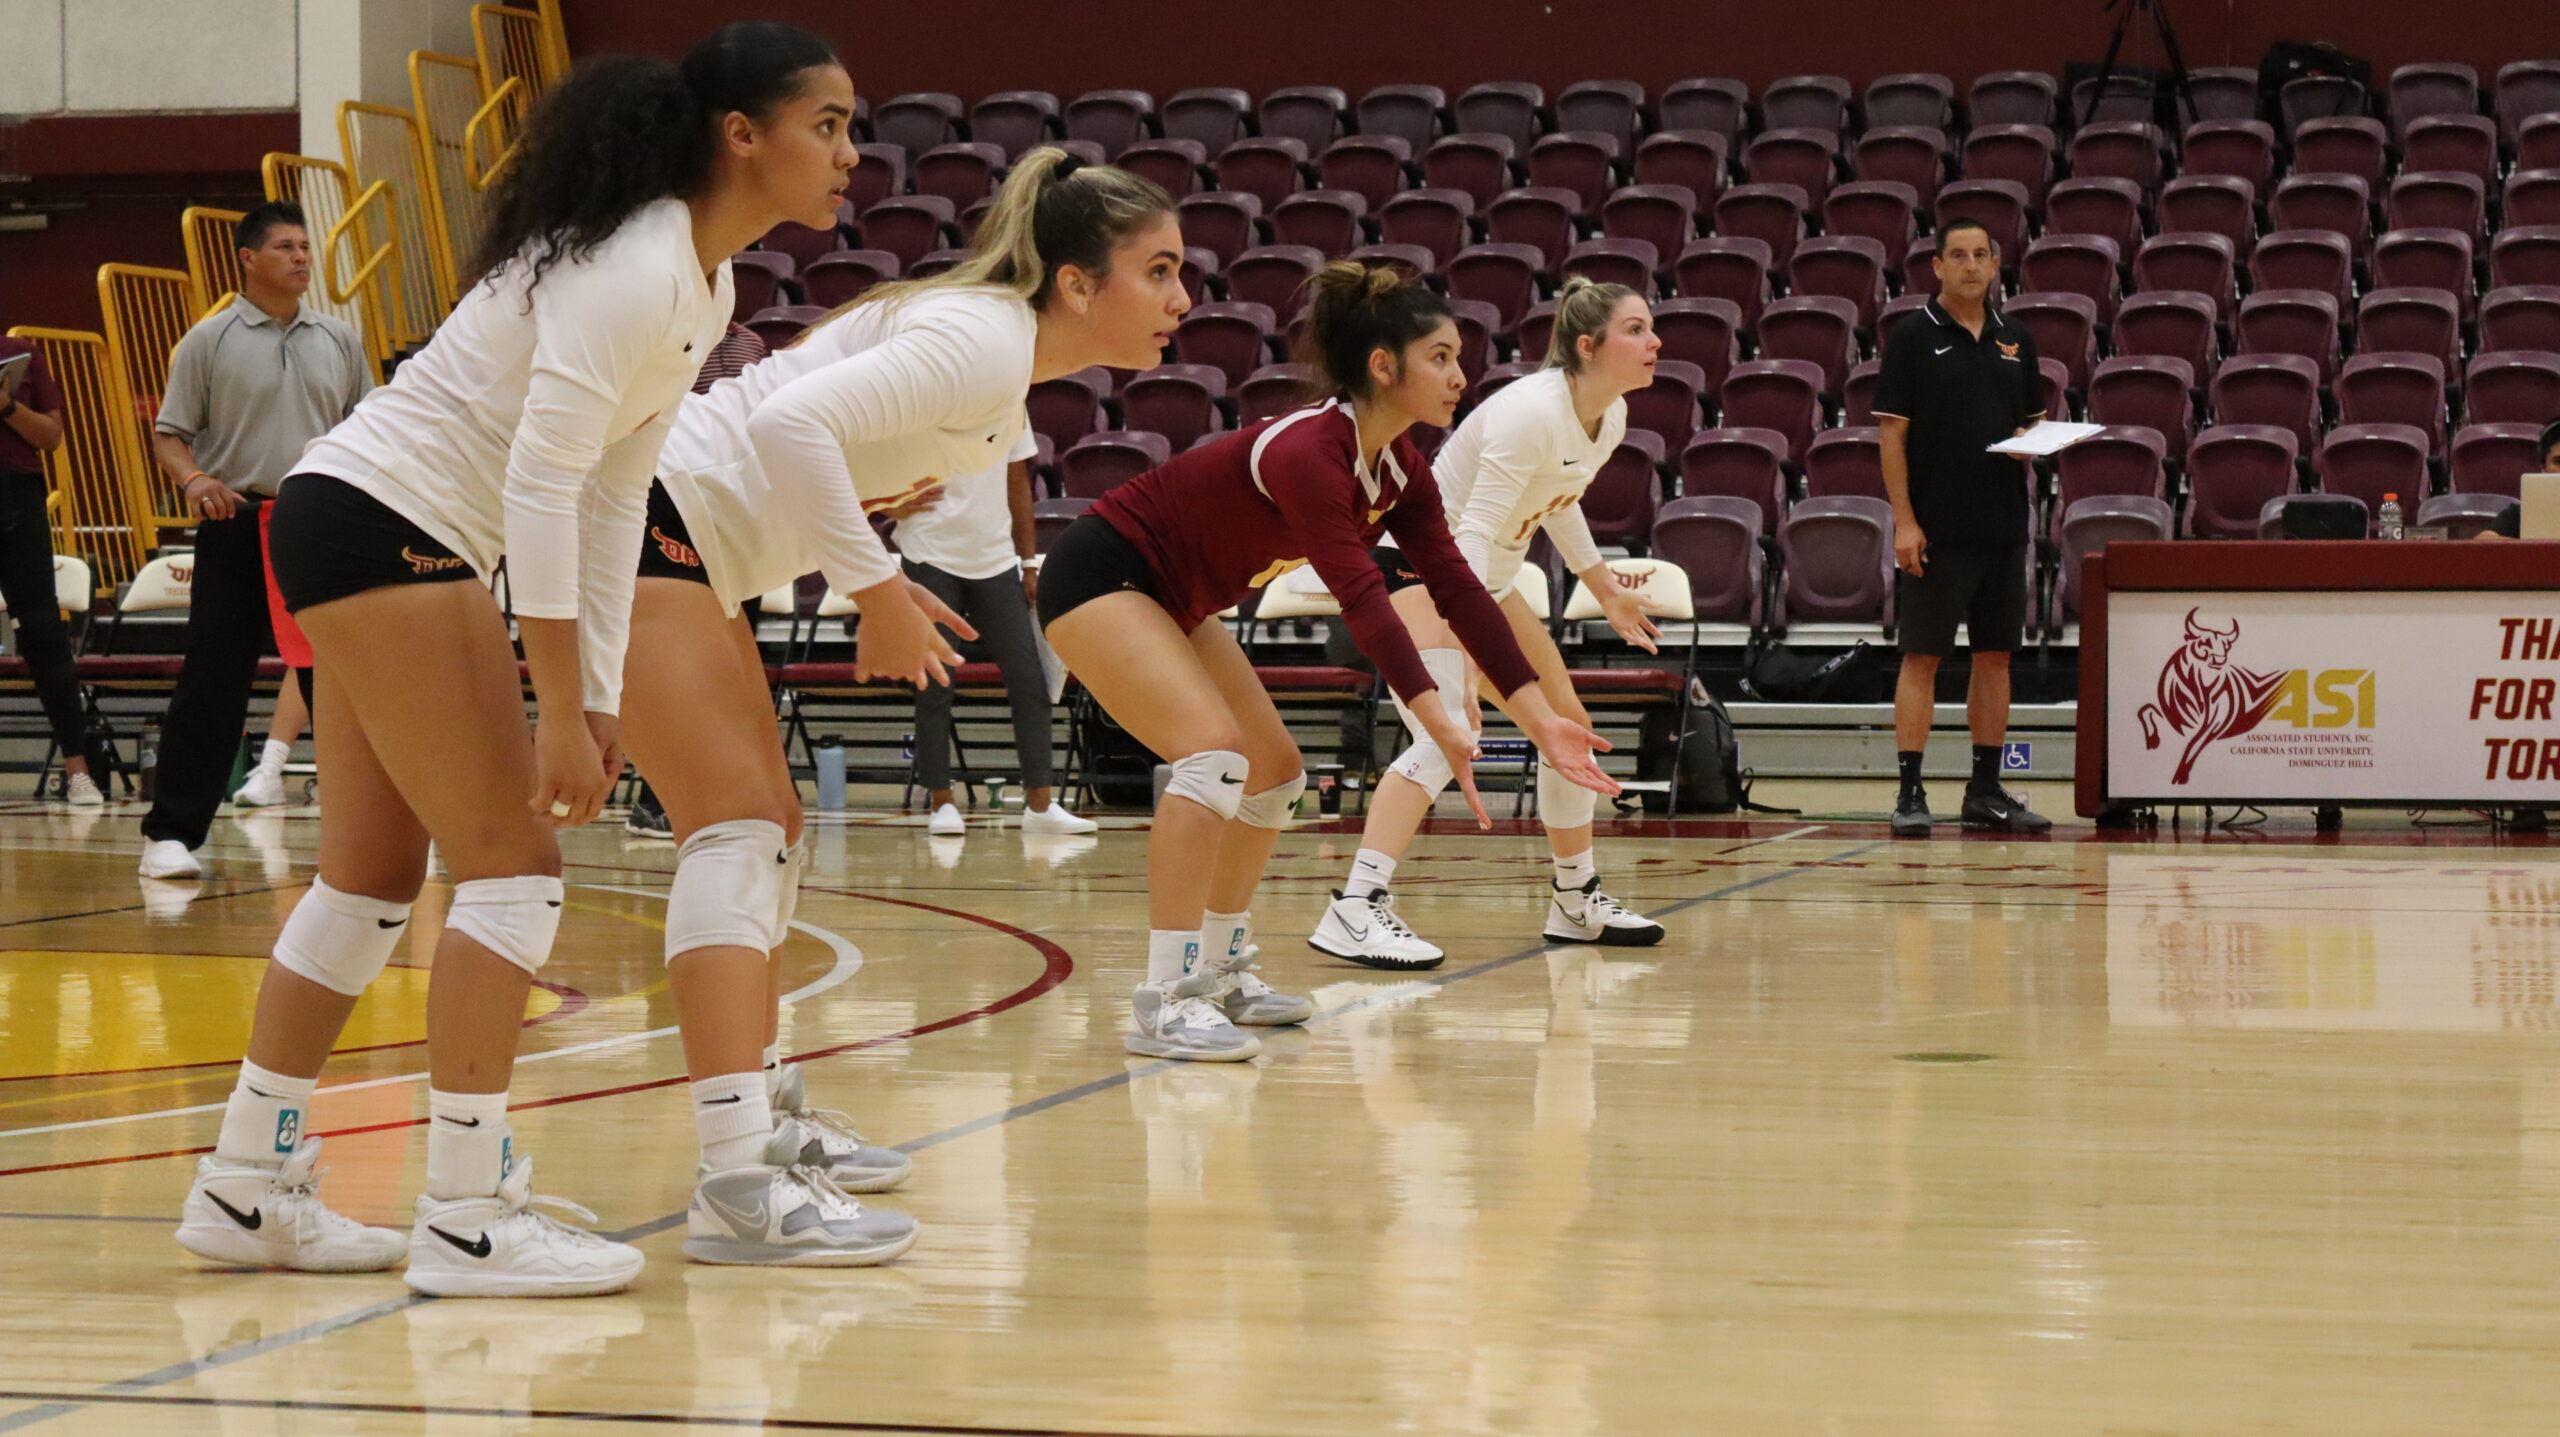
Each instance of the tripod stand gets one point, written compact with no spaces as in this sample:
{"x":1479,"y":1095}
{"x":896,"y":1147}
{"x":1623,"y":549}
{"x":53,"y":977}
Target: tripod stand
{"x":2125,"y":11}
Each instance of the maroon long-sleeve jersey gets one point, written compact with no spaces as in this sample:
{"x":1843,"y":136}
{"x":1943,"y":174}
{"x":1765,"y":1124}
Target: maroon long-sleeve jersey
{"x":1228,"y":517}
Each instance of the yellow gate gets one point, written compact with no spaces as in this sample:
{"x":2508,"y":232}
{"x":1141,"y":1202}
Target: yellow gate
{"x":354,"y":237}
{"x":105,"y":514}
{"x":148,"y":311}
{"x":384,"y":146}
{"x":213,"y":261}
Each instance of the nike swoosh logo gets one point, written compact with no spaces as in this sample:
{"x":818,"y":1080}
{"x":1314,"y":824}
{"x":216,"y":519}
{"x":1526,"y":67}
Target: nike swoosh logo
{"x":551,"y":903}
{"x":1948,"y":349}
{"x":390,"y":922}
{"x":478,"y":1247}
{"x":1358,"y":935}
{"x":749,"y":1219}
{"x":270,"y":1097}
{"x":1222,"y":778}
{"x":459,"y":1123}
{"x":716,"y":1102}
{"x":251,"y":1220}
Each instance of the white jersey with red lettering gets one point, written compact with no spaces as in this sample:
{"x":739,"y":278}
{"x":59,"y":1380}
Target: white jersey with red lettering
{"x":1519,"y":464}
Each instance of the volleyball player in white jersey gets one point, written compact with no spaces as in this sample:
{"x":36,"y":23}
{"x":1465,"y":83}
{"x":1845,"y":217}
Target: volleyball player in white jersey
{"x":529,"y":427}
{"x":1520,"y":463}
{"x":773,"y":474}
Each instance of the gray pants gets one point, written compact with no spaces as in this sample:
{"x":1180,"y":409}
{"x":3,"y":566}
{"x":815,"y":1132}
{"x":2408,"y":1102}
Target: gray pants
{"x":1002,"y":616}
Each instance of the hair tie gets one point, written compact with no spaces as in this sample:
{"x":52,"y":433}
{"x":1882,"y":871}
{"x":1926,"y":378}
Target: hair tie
{"x":1066,"y":167}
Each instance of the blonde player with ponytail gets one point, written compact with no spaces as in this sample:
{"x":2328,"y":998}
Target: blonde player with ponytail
{"x":772,"y":474}
{"x":1519,"y":464}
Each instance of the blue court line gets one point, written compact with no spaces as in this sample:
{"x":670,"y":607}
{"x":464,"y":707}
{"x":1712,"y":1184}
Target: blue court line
{"x":225,"y":1357}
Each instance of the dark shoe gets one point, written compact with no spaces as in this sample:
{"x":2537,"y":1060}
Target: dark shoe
{"x":2529,"y":820}
{"x":2002,"y":811}
{"x":1911,"y":813}
{"x":647,"y":819}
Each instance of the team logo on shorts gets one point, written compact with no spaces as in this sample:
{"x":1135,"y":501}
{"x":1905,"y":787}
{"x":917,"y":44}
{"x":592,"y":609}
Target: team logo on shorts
{"x":677,"y":551}
{"x":428,"y":563}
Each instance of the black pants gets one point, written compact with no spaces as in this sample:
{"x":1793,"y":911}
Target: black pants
{"x":26,"y":585}
{"x":997,"y":609}
{"x":227,"y":633}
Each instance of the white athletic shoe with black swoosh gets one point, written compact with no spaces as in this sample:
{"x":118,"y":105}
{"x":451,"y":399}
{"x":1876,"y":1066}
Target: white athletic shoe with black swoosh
{"x":501,"y":1246}
{"x":1365,"y":930}
{"x":784,"y":1212}
{"x":252,"y":1215}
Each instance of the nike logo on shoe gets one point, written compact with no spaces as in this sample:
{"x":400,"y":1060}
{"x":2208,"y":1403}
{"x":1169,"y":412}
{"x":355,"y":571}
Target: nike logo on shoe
{"x":250,"y":1220}
{"x":478,"y":1247}
{"x":390,"y":922}
{"x":460,"y":1123}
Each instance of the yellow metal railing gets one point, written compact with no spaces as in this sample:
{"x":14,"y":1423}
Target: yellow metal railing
{"x":147,"y":312}
{"x":349,"y":289}
{"x":99,"y":485}
{"x":447,"y":93}
{"x":555,"y":38}
{"x":496,"y":118}
{"x":376,"y":196}
{"x":213,"y":260}
{"x":385,"y":147}
{"x":511,"y":46}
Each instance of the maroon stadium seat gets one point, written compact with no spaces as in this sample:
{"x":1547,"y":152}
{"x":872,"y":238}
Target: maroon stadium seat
{"x":2270,"y":390}
{"x":2233,"y":471}
{"x":2291,"y":321}
{"x":2175,"y":322}
{"x":1370,"y":166}
{"x":2515,"y":386}
{"x":1212,"y":117}
{"x":1312,"y":115}
{"x":1704,"y":332}
{"x":2373,"y":461}
{"x":1014,"y":121}
{"x":2394,"y":388}
{"x":1839,"y":561}
{"x":1739,"y":463}
{"x":1113,"y":119}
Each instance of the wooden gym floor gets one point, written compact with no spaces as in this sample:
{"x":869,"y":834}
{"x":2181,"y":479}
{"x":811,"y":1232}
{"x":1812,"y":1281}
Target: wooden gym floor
{"x":2198,"y":1135}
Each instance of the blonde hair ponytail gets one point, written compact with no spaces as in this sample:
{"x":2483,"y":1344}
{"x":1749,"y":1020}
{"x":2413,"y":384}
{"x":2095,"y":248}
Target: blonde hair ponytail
{"x":1583,"y":308}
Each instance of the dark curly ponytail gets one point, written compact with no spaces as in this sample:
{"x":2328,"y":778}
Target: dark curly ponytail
{"x":1357,"y":310}
{"x":625,"y":131}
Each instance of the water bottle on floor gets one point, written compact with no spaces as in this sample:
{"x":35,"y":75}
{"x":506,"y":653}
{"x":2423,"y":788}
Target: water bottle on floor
{"x":830,"y":755}
{"x":2387,"y":524}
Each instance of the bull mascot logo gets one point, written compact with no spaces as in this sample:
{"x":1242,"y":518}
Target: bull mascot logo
{"x":2206,"y":697}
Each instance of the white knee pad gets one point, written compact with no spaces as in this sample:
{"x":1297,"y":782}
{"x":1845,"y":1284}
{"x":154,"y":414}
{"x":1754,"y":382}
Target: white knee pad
{"x":1425,"y":764}
{"x":1214,"y":780}
{"x":1562,"y":803}
{"x":728,"y":888}
{"x":796,"y":860}
{"x":1274,"y":806}
{"x":515,"y":918}
{"x":1448,"y":670}
{"x":341,"y":941}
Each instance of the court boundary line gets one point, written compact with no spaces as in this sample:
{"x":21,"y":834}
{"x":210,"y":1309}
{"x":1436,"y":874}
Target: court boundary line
{"x":569,"y":1414}
{"x":61,"y":1404}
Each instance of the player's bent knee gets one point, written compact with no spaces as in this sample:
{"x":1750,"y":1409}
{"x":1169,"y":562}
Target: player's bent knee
{"x":728,"y":889}
{"x":1213,"y":779}
{"x":1562,"y":803}
{"x":1273,"y":807}
{"x":516,"y":918}
{"x":1424,"y":764}
{"x":341,"y":941}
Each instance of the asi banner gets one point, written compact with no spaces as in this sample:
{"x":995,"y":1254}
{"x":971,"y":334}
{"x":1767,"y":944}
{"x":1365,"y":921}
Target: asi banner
{"x":2409,"y":696}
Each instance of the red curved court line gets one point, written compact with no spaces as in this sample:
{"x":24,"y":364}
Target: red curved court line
{"x":1055,"y":967}
{"x":572,"y":1003}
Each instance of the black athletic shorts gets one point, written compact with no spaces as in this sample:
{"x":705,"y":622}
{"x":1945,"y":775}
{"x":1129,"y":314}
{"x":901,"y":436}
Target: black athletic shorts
{"x":329,"y":540}
{"x":1393,"y":567}
{"x":1983,"y":586}
{"x":666,"y":549}
{"x":1090,"y":560}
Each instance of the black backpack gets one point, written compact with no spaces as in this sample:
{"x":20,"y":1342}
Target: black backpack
{"x":1710,"y":778}
{"x":1774,"y":673}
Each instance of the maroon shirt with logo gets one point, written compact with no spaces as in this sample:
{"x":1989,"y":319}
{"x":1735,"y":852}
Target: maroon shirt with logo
{"x":1229,"y":517}
{"x":36,"y":391}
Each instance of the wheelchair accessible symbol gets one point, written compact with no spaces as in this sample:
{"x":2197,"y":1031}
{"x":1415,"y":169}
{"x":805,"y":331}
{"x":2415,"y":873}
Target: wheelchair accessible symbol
{"x":2016,"y":757}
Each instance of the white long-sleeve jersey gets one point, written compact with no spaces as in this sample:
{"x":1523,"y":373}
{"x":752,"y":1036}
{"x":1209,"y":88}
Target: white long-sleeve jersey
{"x":531,"y":430}
{"x":778,"y":470}
{"x":1519,"y":463}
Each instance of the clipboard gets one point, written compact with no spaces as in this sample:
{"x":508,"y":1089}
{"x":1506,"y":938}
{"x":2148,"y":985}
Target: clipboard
{"x":2050,"y":437}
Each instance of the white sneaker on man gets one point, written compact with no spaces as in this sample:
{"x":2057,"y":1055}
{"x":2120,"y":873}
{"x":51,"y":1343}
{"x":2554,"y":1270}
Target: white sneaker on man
{"x":501,"y":1247}
{"x":253,"y":1215}
{"x":264,"y":788}
{"x":829,"y":1143}
{"x":1366,"y":930}
{"x":168,"y":858}
{"x":81,"y":791}
{"x":1180,"y":1018}
{"x":1587,"y":915}
{"x":1055,"y":819}
{"x":946,"y":822}
{"x":784,"y":1213}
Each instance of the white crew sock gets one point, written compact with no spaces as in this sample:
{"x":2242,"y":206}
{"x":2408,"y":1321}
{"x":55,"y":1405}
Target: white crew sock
{"x":272,"y":757}
{"x":1224,"y":935}
{"x":1370,"y":873}
{"x":772,"y":1069}
{"x":1573,"y":872}
{"x":264,"y":1120}
{"x":469,"y":1144}
{"x":1171,"y":952}
{"x":734,"y":1119}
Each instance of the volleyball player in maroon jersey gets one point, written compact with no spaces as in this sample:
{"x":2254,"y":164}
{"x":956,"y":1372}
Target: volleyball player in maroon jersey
{"x":1129,"y":598}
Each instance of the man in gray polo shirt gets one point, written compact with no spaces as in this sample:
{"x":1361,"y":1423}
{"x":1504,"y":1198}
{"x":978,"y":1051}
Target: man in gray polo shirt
{"x":249,"y":387}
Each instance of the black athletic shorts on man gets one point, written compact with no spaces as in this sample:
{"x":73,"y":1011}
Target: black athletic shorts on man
{"x":1962,"y":394}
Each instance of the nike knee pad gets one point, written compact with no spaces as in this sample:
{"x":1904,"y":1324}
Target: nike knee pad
{"x":515,"y":918}
{"x":1425,"y":764}
{"x":1214,"y":780}
{"x":789,"y":902}
{"x":341,"y":941}
{"x":1448,"y":670}
{"x":728,"y":887}
{"x":1274,"y":806}
{"x":1562,"y":803}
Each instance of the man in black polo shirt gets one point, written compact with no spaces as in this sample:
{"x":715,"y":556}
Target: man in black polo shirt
{"x":1957,"y":378}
